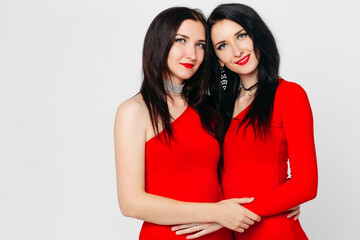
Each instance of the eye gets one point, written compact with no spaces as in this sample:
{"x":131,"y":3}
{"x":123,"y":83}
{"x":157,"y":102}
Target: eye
{"x":180,"y":40}
{"x":202,"y":45}
{"x":241,"y":35}
{"x":222,"y":46}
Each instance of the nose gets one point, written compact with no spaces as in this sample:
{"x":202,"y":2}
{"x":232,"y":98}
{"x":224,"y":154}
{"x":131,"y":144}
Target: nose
{"x":191,"y":53}
{"x":237,"y":50}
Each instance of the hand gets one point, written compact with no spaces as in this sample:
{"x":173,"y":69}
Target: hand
{"x":234,"y":216}
{"x":295,"y":212}
{"x":201,"y":229}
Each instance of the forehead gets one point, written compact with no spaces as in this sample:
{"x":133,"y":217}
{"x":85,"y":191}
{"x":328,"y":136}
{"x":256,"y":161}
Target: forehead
{"x":192,"y":29}
{"x":224,"y":28}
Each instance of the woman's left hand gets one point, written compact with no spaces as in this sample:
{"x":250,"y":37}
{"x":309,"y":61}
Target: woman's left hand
{"x":295,"y":212}
{"x":200,"y":229}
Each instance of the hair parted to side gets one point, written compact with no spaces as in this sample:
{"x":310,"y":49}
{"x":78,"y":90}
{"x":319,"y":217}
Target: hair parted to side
{"x":157,"y":44}
{"x":260,"y":111}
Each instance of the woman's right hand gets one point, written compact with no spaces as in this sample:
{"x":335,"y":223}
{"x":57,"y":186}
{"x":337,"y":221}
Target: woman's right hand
{"x":232,"y":215}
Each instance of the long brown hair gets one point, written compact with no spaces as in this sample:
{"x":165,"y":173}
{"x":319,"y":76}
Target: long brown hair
{"x":260,"y":111}
{"x":158,"y":41}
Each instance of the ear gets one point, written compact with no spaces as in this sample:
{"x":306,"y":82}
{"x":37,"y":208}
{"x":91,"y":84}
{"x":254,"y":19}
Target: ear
{"x":221,"y":63}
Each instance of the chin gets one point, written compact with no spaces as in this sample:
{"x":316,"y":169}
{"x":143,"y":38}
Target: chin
{"x":187,"y":76}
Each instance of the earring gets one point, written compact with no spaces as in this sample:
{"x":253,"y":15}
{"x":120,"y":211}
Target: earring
{"x":223,"y":78}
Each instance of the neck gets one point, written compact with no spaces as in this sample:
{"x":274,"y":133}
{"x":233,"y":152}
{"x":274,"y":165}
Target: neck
{"x":176,"y":100}
{"x":248,"y":84}
{"x":172,"y":88}
{"x":248,"y":80}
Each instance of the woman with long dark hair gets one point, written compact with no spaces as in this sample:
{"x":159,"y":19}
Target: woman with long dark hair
{"x":268,"y":121}
{"x":166,"y":144}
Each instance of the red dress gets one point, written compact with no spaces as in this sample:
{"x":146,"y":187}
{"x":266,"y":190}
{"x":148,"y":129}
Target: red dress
{"x":258,"y":168}
{"x":185,"y":170}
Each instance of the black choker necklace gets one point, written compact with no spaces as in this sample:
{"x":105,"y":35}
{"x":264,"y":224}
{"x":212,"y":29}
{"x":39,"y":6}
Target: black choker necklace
{"x":249,"y":88}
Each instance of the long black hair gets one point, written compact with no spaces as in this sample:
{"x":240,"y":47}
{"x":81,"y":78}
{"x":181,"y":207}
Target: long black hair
{"x":158,"y":41}
{"x":259,"y":113}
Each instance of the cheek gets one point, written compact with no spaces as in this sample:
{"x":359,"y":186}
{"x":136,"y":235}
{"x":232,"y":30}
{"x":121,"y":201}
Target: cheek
{"x":223,"y":56}
{"x":249,"y":45}
{"x":200,"y":56}
{"x":175,"y":52}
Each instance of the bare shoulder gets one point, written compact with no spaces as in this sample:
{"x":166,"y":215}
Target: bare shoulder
{"x":134,"y":107}
{"x":132,"y":111}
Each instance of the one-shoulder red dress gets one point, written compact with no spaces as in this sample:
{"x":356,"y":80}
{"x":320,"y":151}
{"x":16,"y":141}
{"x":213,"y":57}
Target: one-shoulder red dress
{"x":255,"y":167}
{"x":184,"y":170}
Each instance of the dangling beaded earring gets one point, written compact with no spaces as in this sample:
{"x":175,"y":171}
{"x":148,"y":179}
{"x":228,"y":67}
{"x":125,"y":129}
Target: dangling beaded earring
{"x":223,"y":78}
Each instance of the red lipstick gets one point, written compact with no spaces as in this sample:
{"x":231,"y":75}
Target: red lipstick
{"x":243,"y":60}
{"x":187,"y":65}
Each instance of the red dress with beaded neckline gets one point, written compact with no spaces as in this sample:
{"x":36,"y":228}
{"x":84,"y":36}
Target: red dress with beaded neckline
{"x":255,"y":167}
{"x":184,"y":170}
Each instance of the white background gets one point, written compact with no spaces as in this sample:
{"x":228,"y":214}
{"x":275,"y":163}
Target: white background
{"x":66,"y":65}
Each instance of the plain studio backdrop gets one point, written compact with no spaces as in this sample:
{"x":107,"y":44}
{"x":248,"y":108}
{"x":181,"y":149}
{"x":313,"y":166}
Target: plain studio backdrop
{"x":66,"y":65}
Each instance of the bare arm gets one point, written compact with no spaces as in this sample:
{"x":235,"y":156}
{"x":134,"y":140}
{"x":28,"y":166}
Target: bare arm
{"x":202,"y":229}
{"x":130,"y":137}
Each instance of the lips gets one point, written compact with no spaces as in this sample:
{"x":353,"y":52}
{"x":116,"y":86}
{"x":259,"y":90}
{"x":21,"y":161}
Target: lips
{"x":187,"y":65}
{"x":243,"y":60}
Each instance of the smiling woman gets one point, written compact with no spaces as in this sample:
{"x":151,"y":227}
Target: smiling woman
{"x":269,"y":124}
{"x":187,"y":51}
{"x":166,"y":145}
{"x":231,"y":41}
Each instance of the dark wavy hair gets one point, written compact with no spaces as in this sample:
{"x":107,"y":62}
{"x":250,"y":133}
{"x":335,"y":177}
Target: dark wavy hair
{"x":158,"y":41}
{"x":259,"y":114}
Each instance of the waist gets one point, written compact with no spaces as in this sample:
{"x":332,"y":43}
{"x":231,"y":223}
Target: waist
{"x":187,"y":188}
{"x":249,"y":181}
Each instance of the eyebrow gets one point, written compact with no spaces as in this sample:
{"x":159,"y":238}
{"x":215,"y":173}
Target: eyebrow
{"x":223,"y":41}
{"x":239,"y":32}
{"x":184,"y":36}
